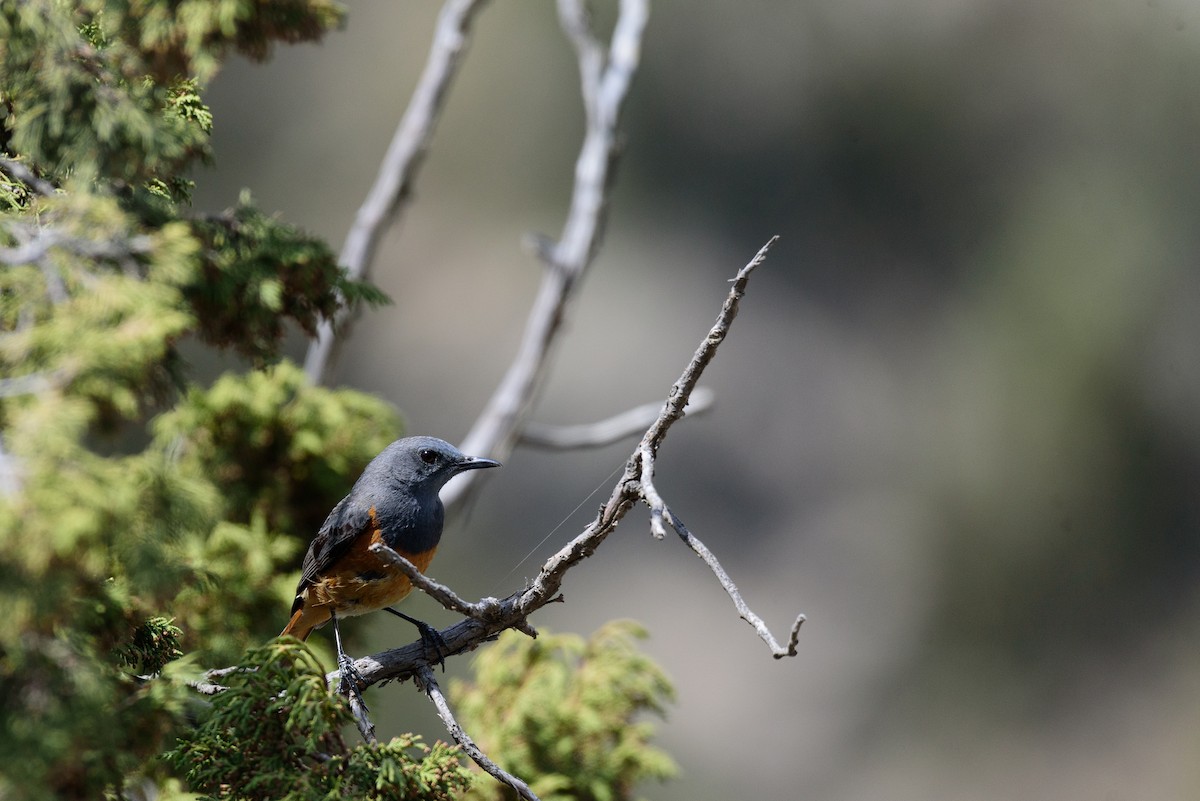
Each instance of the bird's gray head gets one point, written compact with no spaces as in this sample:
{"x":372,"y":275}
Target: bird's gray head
{"x":426,"y":462}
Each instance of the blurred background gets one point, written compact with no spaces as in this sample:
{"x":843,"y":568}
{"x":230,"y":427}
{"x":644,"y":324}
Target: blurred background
{"x":957,"y":422}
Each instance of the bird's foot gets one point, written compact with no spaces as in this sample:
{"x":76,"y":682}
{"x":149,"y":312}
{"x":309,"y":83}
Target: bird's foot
{"x":434,"y":643}
{"x":350,"y":681}
{"x":431,"y":638}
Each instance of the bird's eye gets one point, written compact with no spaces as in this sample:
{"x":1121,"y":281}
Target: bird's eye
{"x":429,"y":456}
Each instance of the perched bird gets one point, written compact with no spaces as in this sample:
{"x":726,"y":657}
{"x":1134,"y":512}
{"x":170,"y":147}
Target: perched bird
{"x":394,"y":501}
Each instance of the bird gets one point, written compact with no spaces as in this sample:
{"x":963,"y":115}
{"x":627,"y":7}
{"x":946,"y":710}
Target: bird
{"x":395,"y":501}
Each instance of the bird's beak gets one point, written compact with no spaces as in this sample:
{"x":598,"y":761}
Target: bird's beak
{"x":476,"y":463}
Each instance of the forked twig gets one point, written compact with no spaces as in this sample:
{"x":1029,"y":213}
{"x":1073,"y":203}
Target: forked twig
{"x":747,"y":614}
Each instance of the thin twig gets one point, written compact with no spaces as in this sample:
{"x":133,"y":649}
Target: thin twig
{"x":206,"y":685}
{"x":605,"y":83}
{"x":361,"y":715}
{"x":428,"y":683}
{"x":648,"y":449}
{"x":747,"y":614}
{"x":677,"y":399}
{"x":629,"y":489}
{"x":36,"y":243}
{"x":398,"y":171}
{"x":485,"y":609}
{"x":31,"y":248}
{"x":606,"y":431}
{"x":439,"y":592}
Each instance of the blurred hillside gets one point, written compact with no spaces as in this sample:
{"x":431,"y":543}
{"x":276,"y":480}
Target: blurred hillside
{"x":958,"y":421}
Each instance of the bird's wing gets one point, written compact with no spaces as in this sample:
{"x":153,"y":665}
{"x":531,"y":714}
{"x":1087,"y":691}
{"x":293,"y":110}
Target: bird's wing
{"x":344,"y":525}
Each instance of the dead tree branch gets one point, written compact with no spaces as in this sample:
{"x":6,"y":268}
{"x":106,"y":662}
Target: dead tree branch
{"x":605,"y":79}
{"x":744,"y":611}
{"x":485,"y":609}
{"x":512,"y":612}
{"x":27,"y":176}
{"x":404,"y":156}
{"x":428,"y":684}
{"x":606,"y":431}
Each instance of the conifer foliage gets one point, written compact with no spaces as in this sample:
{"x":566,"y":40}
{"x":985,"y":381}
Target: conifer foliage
{"x":276,"y":733}
{"x":143,"y":516}
{"x":151,"y":519}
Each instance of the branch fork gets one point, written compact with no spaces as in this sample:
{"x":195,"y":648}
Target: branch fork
{"x":488,"y":617}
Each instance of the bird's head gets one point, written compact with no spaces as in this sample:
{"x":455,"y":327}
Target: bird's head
{"x":428,"y":462}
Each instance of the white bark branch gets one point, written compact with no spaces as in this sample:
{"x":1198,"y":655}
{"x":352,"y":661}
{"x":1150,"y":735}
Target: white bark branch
{"x":27,"y":176}
{"x":744,"y":610}
{"x":404,"y":156}
{"x":606,"y":431}
{"x":605,"y":83}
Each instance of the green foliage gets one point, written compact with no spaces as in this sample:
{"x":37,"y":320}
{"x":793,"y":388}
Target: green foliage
{"x":152,"y":645}
{"x":95,"y":87}
{"x":99,"y":304}
{"x":98,"y":552}
{"x":562,"y":713}
{"x":275,"y":734}
{"x":74,"y":720}
{"x":124,"y":545}
{"x":257,"y":273}
{"x":278,"y":449}
{"x":103,"y":97}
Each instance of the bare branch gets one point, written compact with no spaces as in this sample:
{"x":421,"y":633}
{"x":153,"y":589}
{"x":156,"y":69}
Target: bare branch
{"x":485,"y":610}
{"x":349,"y":686}
{"x":10,"y":473}
{"x":631,"y":488}
{"x":206,"y":685}
{"x":362,"y":717}
{"x":26,"y":176}
{"x":648,"y":449}
{"x":746,"y":613}
{"x":607,"y":431}
{"x":32,"y":248}
{"x":36,"y":240}
{"x":31,"y":383}
{"x":650,"y":492}
{"x":428,"y":684}
{"x":682,"y":390}
{"x":605,"y":81}
{"x":439,"y":592}
{"x":404,"y":156}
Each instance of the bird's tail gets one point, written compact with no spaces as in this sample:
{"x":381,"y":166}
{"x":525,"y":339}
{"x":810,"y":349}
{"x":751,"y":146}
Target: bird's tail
{"x":302,"y":623}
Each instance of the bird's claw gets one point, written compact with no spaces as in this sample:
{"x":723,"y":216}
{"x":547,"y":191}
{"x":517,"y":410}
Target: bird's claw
{"x":350,"y":681}
{"x":433,"y":642}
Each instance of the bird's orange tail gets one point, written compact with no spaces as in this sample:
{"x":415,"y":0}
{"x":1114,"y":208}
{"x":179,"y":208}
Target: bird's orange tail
{"x":301,"y":625}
